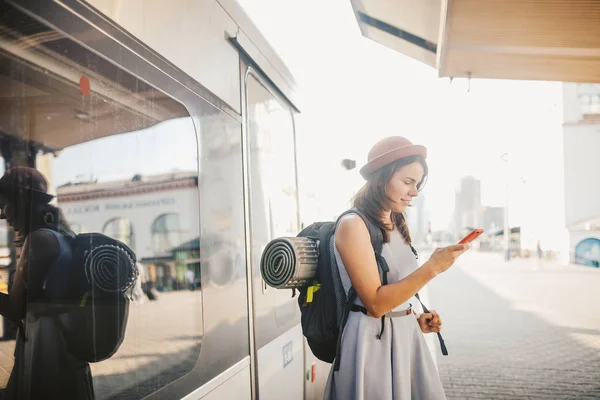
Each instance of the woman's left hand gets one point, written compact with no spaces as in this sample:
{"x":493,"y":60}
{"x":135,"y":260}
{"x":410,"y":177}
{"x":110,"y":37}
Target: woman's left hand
{"x":430,"y":322}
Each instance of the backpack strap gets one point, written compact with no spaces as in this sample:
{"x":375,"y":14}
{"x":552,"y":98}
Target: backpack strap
{"x":347,"y":309}
{"x":374,"y":231}
{"x":385,"y":268}
{"x":376,"y":236}
{"x":439,"y":335}
{"x":377,"y":242}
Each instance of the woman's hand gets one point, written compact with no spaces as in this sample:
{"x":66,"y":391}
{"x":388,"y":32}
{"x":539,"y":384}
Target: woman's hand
{"x":430,"y":322}
{"x":442,"y":259}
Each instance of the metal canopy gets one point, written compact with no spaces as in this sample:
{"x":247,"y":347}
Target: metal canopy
{"x":556,"y":40}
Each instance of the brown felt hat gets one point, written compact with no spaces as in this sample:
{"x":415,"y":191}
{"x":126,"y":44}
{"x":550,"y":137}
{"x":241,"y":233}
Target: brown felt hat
{"x":389,"y":150}
{"x":25,"y":178}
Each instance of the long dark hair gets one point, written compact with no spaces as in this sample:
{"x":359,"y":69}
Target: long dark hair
{"x":372,"y":197}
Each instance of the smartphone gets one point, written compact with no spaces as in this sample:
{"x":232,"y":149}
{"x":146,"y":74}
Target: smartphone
{"x":471,"y":236}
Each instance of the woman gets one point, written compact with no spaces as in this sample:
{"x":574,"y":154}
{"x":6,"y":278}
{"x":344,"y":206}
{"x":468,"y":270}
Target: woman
{"x":43,"y":368}
{"x":398,"y":365}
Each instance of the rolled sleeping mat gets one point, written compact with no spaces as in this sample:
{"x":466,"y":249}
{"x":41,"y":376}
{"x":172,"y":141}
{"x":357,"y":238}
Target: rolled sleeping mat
{"x":289,"y":262}
{"x":110,"y":268}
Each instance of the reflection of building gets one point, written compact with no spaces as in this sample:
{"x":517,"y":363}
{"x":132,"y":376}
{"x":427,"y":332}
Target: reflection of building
{"x":151,"y":214}
{"x":581,"y":135}
{"x":467,"y":205}
{"x":4,"y":245}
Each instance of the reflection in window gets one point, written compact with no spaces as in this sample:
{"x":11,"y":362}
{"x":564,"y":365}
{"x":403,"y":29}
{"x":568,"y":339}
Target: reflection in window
{"x":273,"y":163}
{"x":120,"y":229}
{"x":274,"y":205}
{"x":166,"y":233}
{"x":76,"y":227}
{"x":121,"y":155}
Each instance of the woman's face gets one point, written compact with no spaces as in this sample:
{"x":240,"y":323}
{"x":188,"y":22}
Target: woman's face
{"x":9,"y":213}
{"x":402,"y":186}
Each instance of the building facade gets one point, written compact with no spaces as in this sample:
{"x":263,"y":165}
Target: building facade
{"x":581,"y":141}
{"x":145,"y":213}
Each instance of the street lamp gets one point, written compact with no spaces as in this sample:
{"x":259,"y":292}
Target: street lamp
{"x":348,"y":164}
{"x":504,"y":158}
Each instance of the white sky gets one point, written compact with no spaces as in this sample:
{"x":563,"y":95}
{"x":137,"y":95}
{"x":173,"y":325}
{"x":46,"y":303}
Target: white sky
{"x":356,"y":91}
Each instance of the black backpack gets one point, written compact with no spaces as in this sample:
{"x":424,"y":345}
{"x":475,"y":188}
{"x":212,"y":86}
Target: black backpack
{"x":92,"y":305}
{"x":324,"y":305}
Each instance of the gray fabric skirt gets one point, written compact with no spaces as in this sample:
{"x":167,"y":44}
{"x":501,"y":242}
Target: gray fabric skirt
{"x":397,"y":367}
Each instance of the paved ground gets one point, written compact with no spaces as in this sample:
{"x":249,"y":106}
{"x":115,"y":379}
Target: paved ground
{"x":162,"y":344}
{"x":519,"y":330}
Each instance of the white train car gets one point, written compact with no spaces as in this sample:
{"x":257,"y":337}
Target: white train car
{"x":93,"y":92}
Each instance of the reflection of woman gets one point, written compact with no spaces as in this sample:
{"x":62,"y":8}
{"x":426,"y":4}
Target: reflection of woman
{"x":43,"y":368}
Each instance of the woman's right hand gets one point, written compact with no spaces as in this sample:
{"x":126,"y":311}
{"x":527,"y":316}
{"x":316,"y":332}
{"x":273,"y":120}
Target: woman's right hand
{"x":442,"y":259}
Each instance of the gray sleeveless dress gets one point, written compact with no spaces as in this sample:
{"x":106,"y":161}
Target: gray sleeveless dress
{"x":397,"y":367}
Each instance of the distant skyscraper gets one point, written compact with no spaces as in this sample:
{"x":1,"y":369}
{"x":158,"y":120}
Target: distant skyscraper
{"x":418,"y":218}
{"x":467,"y":205}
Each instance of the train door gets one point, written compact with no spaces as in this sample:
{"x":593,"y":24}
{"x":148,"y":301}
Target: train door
{"x":270,"y":162}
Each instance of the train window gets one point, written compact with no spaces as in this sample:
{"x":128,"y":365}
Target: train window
{"x":274,"y":207}
{"x":120,"y":158}
{"x":272,"y":158}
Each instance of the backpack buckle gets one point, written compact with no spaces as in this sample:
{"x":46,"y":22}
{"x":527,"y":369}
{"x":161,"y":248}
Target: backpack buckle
{"x":311,"y":291}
